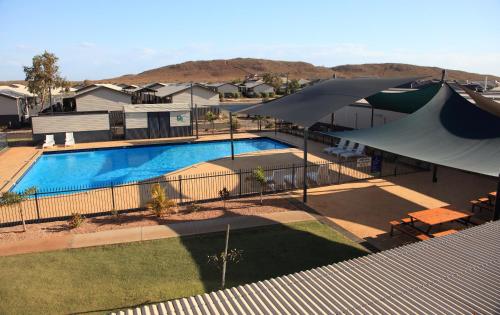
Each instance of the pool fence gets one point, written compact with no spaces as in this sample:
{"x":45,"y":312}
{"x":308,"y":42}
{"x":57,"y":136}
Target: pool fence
{"x":60,"y":204}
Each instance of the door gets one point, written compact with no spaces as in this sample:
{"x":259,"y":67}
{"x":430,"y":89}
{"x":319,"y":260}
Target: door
{"x":164,"y":123}
{"x":153,"y":125}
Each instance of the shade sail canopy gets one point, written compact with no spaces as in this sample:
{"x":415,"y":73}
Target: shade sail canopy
{"x":449,"y":131}
{"x":310,"y":105}
{"x":405,"y":102}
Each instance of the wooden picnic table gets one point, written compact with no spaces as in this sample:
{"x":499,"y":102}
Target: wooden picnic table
{"x":432,"y":217}
{"x":492,"y":196}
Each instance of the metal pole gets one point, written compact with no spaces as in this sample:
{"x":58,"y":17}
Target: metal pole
{"x":224,"y":263}
{"x":496,"y":214}
{"x":196,"y":117}
{"x":434,"y":173}
{"x":275,"y":127}
{"x":191,"y":108}
{"x":372,"y":118}
{"x":332,"y":119}
{"x":50,"y":100}
{"x":305,"y":165}
{"x":231,"y":134}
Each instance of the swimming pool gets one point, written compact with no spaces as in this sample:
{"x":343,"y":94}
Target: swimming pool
{"x":101,"y":167}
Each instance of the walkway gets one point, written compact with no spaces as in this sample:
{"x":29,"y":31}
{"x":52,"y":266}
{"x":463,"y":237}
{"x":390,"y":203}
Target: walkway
{"x":13,"y":163}
{"x":146,"y":233}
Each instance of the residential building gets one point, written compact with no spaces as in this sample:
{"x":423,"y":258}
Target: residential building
{"x":181,"y":93}
{"x":226,"y":89}
{"x":13,"y":108}
{"x":101,"y":97}
{"x":256,"y":88}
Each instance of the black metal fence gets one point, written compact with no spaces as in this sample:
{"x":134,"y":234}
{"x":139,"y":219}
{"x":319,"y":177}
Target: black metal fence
{"x":91,"y":201}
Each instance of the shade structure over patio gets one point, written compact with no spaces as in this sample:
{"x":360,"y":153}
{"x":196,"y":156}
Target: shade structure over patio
{"x":448,"y":131}
{"x":310,"y":105}
{"x":404,"y":102}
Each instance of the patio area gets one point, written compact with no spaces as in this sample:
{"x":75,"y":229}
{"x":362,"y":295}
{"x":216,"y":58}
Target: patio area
{"x":365,"y":208}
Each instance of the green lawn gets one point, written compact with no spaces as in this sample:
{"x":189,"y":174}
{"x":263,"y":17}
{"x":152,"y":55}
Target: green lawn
{"x":104,"y":278}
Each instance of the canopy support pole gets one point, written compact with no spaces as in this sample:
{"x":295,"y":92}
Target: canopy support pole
{"x":306,"y":132}
{"x":231,"y":134}
{"x":434,"y":173}
{"x":275,"y":127}
{"x":372,"y":118}
{"x":332,"y":119}
{"x":496,"y":214}
{"x":196,"y":119}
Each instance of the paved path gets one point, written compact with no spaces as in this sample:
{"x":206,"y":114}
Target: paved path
{"x":145,"y":233}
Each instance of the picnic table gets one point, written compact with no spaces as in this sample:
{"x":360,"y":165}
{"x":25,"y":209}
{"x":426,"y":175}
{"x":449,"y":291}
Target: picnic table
{"x":436,"y":216}
{"x":492,"y":196}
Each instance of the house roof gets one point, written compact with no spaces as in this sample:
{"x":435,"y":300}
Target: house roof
{"x":251,"y":85}
{"x":110,"y":87}
{"x":11,"y":94}
{"x":176,"y":88}
{"x":145,"y":108}
{"x":456,"y":274}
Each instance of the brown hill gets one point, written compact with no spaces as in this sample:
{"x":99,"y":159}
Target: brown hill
{"x":224,"y":70}
{"x":227,"y":70}
{"x":401,"y":69}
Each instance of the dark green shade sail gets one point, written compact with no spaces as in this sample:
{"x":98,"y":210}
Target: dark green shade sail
{"x":448,"y":131}
{"x":405,"y":102}
{"x":310,"y":105}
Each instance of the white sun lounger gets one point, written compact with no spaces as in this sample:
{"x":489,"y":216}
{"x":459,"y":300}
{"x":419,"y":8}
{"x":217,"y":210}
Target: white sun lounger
{"x":341,"y":145}
{"x":70,"y":139}
{"x":349,"y":148}
{"x":49,"y":141}
{"x":314,"y":175}
{"x":358,"y":152}
{"x":277,"y":179}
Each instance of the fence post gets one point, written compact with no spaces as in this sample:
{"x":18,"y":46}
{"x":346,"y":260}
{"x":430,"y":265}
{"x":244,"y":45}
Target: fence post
{"x":396,"y":166}
{"x":180,"y":188}
{"x":340,"y":172}
{"x":293,"y":175}
{"x":36,"y":204}
{"x":113,"y":197}
{"x":239,"y":193}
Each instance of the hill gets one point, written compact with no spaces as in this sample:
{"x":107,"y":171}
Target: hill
{"x":223,"y":70}
{"x":228,"y":70}
{"x":401,"y":69}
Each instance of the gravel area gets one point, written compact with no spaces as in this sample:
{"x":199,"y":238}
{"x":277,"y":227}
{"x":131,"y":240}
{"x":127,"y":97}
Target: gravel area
{"x":212,"y":210}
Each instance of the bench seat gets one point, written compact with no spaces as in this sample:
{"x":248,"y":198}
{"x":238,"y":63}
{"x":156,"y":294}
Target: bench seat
{"x":408,"y":229}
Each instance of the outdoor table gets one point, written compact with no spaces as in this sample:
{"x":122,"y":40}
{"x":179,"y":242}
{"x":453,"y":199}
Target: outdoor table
{"x":432,"y":217}
{"x":492,"y":196}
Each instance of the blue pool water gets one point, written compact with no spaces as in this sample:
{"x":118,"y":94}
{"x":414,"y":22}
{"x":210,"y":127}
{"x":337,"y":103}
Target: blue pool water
{"x":99,"y":168}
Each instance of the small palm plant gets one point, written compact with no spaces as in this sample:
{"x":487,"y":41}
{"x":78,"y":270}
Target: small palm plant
{"x":160,"y":204}
{"x":224,"y":194}
{"x":260,"y":177}
{"x":211,"y":118}
{"x":11,"y":199}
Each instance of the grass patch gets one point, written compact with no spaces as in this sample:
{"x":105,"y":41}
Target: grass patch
{"x":100,"y":279}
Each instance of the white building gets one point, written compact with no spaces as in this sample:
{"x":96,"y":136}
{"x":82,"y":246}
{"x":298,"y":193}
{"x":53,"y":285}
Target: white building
{"x":12,"y":108}
{"x":101,"y":98}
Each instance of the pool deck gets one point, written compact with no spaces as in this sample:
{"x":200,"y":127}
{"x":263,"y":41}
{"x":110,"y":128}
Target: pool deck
{"x":14,"y":162}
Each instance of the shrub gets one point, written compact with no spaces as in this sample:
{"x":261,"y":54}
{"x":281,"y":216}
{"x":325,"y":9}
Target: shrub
{"x":193,"y":207}
{"x":260,"y":177}
{"x":236,"y":95}
{"x":160,"y":204}
{"x":224,"y":194}
{"x":76,"y":220}
{"x":236,"y":124}
{"x":263,"y":94}
{"x":272,"y":94}
{"x":269,"y":124}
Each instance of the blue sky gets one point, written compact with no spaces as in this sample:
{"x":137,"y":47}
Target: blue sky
{"x":101,"y":39}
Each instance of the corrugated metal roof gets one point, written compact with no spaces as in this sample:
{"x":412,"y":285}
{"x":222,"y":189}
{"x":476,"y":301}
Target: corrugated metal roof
{"x":454,"y":274}
{"x":167,"y":107}
{"x":12,"y":93}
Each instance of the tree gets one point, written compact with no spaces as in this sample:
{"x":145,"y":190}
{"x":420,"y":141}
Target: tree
{"x":10,"y":198}
{"x":160,"y":203}
{"x":260,"y":177}
{"x":224,"y":194}
{"x":273,"y":80}
{"x":258,"y":119}
{"x":293,"y":86}
{"x":43,"y":75}
{"x":211,"y":117}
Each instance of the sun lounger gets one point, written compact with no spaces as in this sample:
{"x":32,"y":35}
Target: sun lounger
{"x":315,"y":175}
{"x":359,"y":151}
{"x":276,"y":180}
{"x":341,"y":145}
{"x":339,"y":151}
{"x":70,"y":139}
{"x":49,"y":141}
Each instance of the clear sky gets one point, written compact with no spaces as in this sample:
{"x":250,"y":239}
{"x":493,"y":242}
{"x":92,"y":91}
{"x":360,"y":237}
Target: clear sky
{"x":104,"y":38}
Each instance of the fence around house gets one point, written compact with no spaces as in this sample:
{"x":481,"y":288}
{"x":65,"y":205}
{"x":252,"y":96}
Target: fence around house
{"x":52,"y":205}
